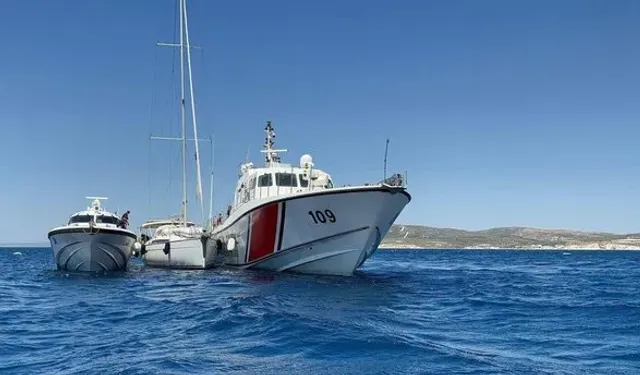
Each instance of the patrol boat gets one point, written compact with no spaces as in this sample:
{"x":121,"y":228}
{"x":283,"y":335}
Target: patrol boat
{"x":293,"y":218}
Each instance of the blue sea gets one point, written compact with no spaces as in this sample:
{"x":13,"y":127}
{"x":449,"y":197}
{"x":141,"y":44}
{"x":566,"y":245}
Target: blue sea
{"x":405,"y":312}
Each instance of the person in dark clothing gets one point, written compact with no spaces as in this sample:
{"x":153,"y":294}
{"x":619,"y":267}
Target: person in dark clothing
{"x":124,"y":221}
{"x":229,"y":211}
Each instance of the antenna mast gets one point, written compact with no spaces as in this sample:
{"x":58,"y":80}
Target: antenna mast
{"x":271,"y":154}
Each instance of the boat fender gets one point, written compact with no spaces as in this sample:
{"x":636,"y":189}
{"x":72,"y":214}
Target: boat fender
{"x":231,"y":244}
{"x":167,"y":248}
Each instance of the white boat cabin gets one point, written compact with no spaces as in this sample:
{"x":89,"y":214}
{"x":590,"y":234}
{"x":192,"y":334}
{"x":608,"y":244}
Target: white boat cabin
{"x":276,"y":178}
{"x":94,"y":214}
{"x":150,"y":227}
{"x":85,"y":217}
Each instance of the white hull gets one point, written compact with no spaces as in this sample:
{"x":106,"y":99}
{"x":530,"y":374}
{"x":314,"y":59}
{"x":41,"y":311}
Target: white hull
{"x":288,"y":234}
{"x":77,"y":250}
{"x":185,"y":253}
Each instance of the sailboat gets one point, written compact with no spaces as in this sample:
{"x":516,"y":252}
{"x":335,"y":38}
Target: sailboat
{"x":178,"y":242}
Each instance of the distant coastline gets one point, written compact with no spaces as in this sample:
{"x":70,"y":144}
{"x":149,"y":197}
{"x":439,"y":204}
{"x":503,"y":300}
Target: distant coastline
{"x":420,"y":237}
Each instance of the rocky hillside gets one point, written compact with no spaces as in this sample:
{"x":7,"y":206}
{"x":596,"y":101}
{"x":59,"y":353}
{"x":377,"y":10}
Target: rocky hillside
{"x":416,"y":236}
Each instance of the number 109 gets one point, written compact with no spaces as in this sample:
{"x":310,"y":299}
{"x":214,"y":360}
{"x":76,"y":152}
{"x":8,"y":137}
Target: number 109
{"x":320,"y":217}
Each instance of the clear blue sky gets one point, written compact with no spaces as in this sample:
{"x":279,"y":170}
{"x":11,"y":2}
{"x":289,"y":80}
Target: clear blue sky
{"x":502,"y":112}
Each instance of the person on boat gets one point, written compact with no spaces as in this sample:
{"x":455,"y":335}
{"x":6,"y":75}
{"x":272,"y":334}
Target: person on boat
{"x":219,"y":221}
{"x":124,"y":221}
{"x":229,"y":211}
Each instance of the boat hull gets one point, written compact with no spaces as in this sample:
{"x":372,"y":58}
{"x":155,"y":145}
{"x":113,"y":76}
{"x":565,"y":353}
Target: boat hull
{"x":187,"y":253}
{"x":332,"y":232}
{"x":80,"y":250}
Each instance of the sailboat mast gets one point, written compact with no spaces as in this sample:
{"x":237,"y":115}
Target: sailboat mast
{"x":193,"y":111}
{"x":211,"y":185}
{"x":182,"y":115}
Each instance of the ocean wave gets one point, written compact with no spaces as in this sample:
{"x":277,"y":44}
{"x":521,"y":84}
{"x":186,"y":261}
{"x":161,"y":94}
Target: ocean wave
{"x":404,"y":312}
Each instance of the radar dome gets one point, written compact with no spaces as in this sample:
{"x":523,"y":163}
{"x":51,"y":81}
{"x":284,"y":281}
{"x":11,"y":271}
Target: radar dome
{"x":305,"y":160}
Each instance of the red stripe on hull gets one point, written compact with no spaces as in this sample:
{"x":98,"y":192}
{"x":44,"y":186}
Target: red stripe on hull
{"x":264,"y":223}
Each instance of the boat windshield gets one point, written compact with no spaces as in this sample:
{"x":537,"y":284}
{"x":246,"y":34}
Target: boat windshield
{"x":286,"y":179}
{"x":265,"y":180}
{"x":80,"y":219}
{"x":106,"y":219}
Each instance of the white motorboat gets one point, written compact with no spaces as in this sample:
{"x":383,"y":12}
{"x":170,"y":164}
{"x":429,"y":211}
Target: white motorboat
{"x":293,"y":218}
{"x":179,"y":243}
{"x":92,"y":240}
